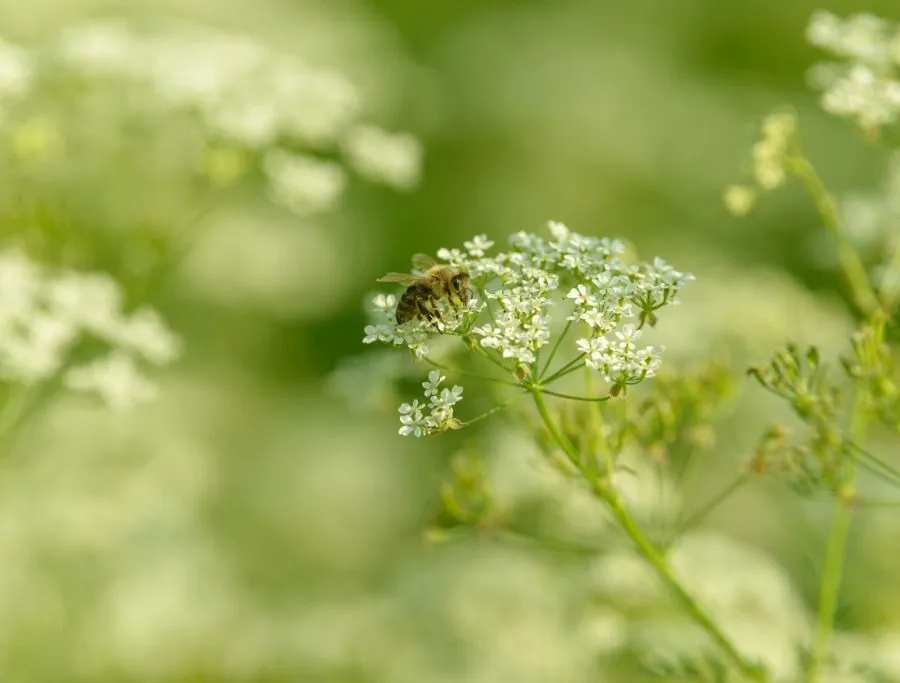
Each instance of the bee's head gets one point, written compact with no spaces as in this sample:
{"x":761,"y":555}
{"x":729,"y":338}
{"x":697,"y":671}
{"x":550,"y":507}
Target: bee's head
{"x":459,"y":286}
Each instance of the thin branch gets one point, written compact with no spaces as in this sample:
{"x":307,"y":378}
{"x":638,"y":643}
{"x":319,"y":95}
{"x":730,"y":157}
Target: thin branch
{"x":566,"y":369}
{"x":495,"y":409}
{"x":598,"y":399}
{"x":556,"y":348}
{"x":699,"y":515}
{"x":474,"y":375}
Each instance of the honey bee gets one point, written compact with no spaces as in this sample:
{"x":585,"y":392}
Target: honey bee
{"x":423,"y":291}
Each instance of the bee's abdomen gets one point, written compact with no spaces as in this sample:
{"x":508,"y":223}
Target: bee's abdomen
{"x":412,"y":301}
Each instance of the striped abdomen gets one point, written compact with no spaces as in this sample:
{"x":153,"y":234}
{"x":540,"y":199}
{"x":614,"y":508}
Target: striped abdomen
{"x":418,"y":299}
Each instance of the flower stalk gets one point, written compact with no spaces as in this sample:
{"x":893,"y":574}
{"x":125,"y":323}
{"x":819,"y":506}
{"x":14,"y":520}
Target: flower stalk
{"x":654,"y":558}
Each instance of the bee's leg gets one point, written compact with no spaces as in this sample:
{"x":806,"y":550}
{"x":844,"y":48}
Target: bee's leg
{"x":428,"y":310}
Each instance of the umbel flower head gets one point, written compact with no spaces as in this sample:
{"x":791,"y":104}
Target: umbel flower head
{"x":48,"y":314}
{"x":861,"y":83}
{"x":521,"y":298}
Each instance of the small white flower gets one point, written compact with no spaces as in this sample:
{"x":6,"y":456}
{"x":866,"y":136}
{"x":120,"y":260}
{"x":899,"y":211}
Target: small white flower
{"x":581,"y":295}
{"x":432,"y":383}
{"x":594,"y":318}
{"x":385,"y":303}
{"x":449,"y":397}
{"x":559,"y":231}
{"x":412,"y":422}
{"x":478,"y":245}
{"x":491,"y":337}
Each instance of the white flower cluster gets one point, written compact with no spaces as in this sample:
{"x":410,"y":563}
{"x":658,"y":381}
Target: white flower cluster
{"x":604,"y":298}
{"x":244,"y":94}
{"x":413,"y":419}
{"x":863,"y":84}
{"x":604,"y":293}
{"x":47,"y":316}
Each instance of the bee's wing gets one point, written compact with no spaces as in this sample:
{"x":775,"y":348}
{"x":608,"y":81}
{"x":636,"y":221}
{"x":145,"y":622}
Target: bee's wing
{"x":400,"y":278}
{"x":423,"y":261}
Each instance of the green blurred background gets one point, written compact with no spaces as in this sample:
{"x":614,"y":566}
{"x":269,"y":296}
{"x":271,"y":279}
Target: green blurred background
{"x":263,"y":521}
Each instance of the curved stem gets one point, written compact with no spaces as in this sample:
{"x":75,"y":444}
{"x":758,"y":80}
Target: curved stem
{"x":854,"y":270}
{"x":830,"y":587}
{"x":648,"y":551}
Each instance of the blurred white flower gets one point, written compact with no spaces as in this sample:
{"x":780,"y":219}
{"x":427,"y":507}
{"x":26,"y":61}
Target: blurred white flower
{"x":45,"y":314}
{"x":315,"y":105}
{"x":89,"y":300}
{"x":739,"y":199}
{"x":379,"y":156}
{"x":303,"y":183}
{"x":863,"y":85}
{"x":145,"y":333}
{"x":16,"y":71}
{"x":102,"y":46}
{"x":115,"y":378}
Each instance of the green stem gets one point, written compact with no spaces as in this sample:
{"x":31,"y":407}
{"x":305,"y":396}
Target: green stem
{"x":571,"y":366}
{"x":474,"y":375}
{"x":549,"y":542}
{"x":598,"y":399}
{"x":854,"y":271}
{"x":556,"y":347}
{"x":597,"y":421}
{"x":889,"y":473}
{"x":475,"y":346}
{"x":648,"y":551}
{"x":830,"y":587}
{"x":877,"y":503}
{"x":495,"y":409}
{"x":699,"y":515}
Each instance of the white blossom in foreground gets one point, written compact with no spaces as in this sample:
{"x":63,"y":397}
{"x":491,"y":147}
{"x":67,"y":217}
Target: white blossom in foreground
{"x":47,"y":317}
{"x":419,"y":419}
{"x":862,"y":84}
{"x":539,"y":288}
